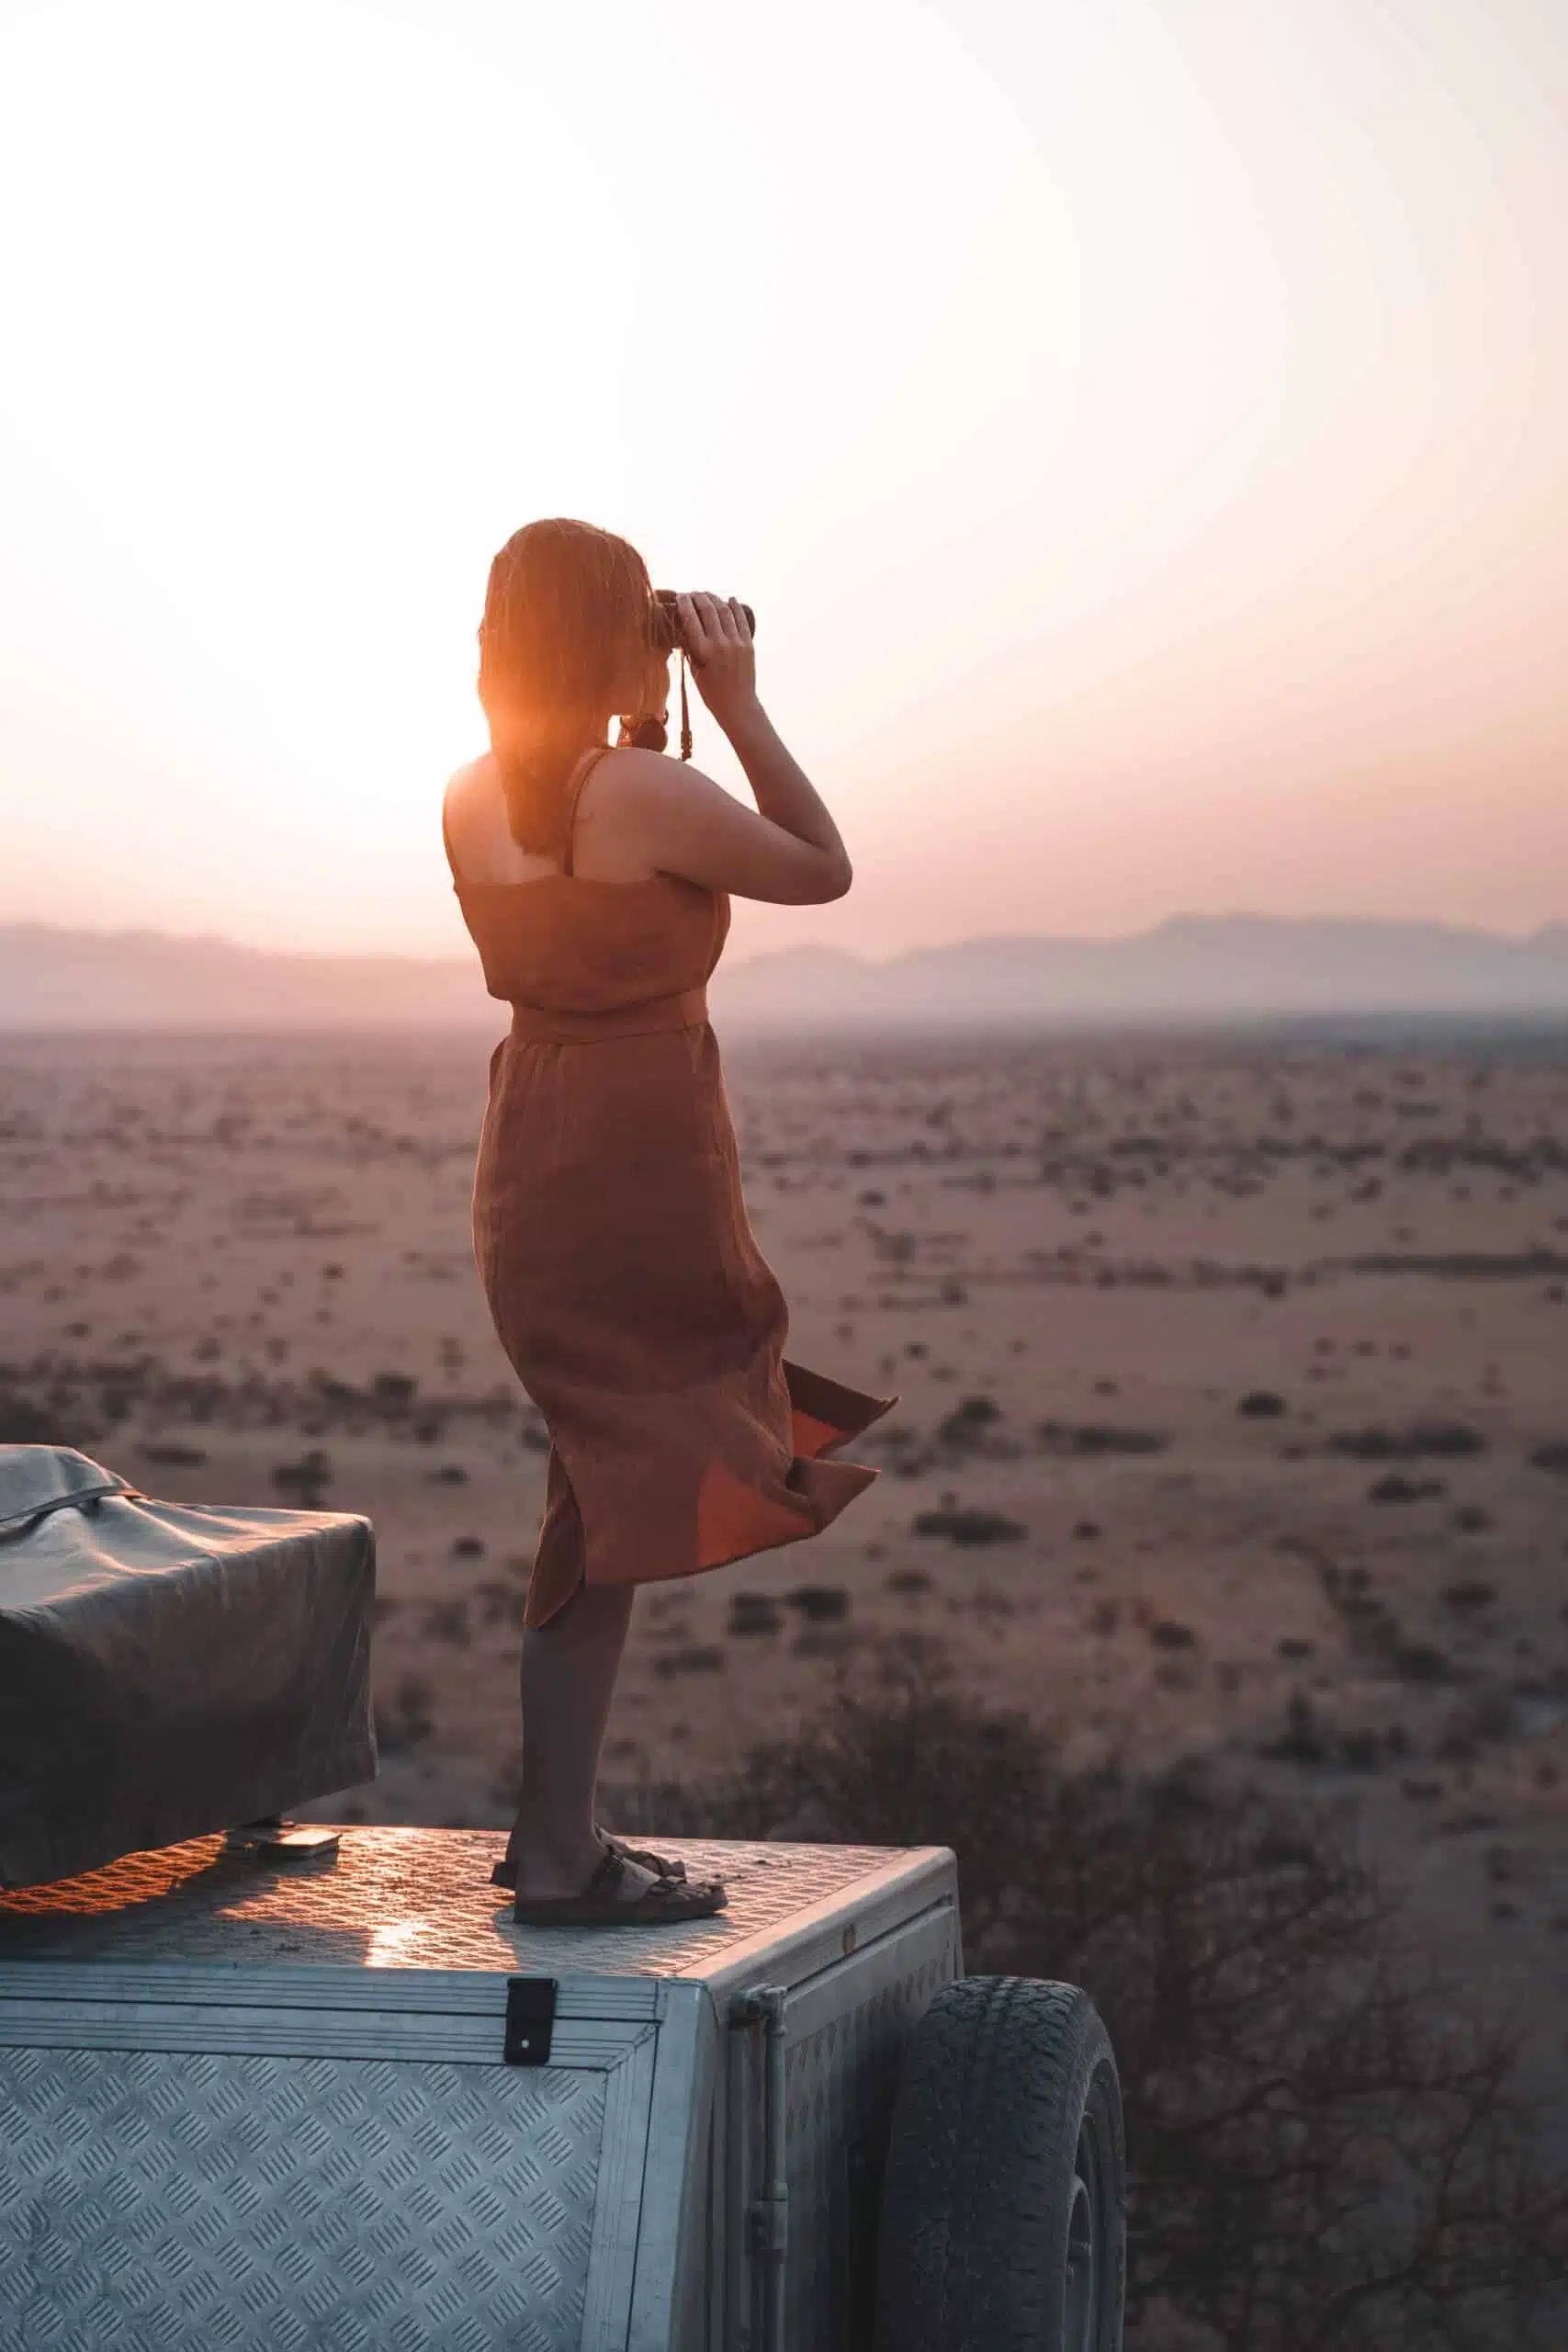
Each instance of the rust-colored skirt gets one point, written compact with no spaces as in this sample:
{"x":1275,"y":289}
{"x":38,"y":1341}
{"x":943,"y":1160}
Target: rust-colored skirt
{"x":637,"y":1310}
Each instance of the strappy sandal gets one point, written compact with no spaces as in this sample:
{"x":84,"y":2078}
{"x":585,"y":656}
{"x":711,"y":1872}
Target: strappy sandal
{"x":667,"y":1865}
{"x":597,"y":1905}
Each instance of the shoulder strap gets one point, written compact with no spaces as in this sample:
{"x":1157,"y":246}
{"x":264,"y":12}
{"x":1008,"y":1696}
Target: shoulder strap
{"x":574,"y":794}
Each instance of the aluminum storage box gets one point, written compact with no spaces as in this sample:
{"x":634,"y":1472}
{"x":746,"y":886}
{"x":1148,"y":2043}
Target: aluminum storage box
{"x":269,"y":2107}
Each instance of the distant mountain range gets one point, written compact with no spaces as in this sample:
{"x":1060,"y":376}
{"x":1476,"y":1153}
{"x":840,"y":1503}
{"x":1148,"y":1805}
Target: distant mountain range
{"x":1194,"y":968}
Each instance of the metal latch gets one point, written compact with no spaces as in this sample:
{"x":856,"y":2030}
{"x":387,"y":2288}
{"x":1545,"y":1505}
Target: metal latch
{"x":530,"y":2016}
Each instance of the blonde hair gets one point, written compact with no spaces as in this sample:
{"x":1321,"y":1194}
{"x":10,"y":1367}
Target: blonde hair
{"x":564,"y":598}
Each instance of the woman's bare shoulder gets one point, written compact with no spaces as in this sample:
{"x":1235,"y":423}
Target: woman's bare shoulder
{"x":475,"y":779}
{"x":686,"y":823}
{"x":473,"y":804}
{"x":473,"y":818}
{"x":629,"y":786}
{"x":477,"y":784}
{"x":649,"y":777}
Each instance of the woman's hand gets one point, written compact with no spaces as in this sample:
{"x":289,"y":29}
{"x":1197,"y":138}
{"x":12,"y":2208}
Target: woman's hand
{"x":718,"y":645}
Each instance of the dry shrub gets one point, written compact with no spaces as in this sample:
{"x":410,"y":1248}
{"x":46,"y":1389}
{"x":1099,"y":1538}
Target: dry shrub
{"x":1330,"y":2144}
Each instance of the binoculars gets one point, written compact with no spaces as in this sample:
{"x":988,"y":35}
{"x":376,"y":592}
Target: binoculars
{"x":666,"y":636}
{"x":664,"y":627}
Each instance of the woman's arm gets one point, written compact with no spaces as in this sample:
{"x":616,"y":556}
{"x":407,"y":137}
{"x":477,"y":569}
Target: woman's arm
{"x":786,"y":794}
{"x":681,"y":821}
{"x":790,"y":852}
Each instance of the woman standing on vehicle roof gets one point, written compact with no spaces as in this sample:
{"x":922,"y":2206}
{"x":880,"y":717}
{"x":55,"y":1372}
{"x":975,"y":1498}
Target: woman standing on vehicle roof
{"x":610,"y":1230}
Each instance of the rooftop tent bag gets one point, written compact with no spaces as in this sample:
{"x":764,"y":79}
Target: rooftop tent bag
{"x":168,"y":1670}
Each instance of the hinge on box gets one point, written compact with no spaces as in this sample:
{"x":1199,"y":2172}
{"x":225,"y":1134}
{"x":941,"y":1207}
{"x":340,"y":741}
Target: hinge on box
{"x":767,"y":2219}
{"x":767,"y":2226}
{"x":530,"y":2015}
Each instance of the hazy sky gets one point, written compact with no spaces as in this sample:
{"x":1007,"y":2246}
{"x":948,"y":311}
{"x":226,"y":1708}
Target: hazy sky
{"x":1142,"y":430}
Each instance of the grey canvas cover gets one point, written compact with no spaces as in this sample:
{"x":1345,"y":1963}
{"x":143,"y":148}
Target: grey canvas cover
{"x":167,"y":1670}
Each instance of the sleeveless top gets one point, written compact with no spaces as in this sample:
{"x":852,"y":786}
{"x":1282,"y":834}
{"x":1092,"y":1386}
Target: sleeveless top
{"x":569,"y":942}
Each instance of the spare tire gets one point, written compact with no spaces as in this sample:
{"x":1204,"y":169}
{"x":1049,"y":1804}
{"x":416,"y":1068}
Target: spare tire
{"x":1003,"y":2215}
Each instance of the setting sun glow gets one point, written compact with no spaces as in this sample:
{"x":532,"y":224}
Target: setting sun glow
{"x":1141,"y":432}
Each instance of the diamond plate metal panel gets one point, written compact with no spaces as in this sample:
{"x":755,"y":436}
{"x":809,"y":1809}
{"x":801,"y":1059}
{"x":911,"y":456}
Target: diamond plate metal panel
{"x":840,"y":2083}
{"x":286,"y":2015}
{"x":846,"y":2032}
{"x":401,"y":1898}
{"x":268,"y":2204}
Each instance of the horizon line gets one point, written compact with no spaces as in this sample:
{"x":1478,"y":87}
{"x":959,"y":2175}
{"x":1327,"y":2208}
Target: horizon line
{"x":1077,"y":939}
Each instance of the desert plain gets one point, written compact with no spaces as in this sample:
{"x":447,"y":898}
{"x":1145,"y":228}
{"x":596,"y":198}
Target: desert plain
{"x":1233,"y":1419}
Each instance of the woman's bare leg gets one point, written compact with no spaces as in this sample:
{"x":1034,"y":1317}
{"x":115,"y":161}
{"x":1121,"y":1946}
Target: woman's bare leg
{"x":568,"y":1681}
